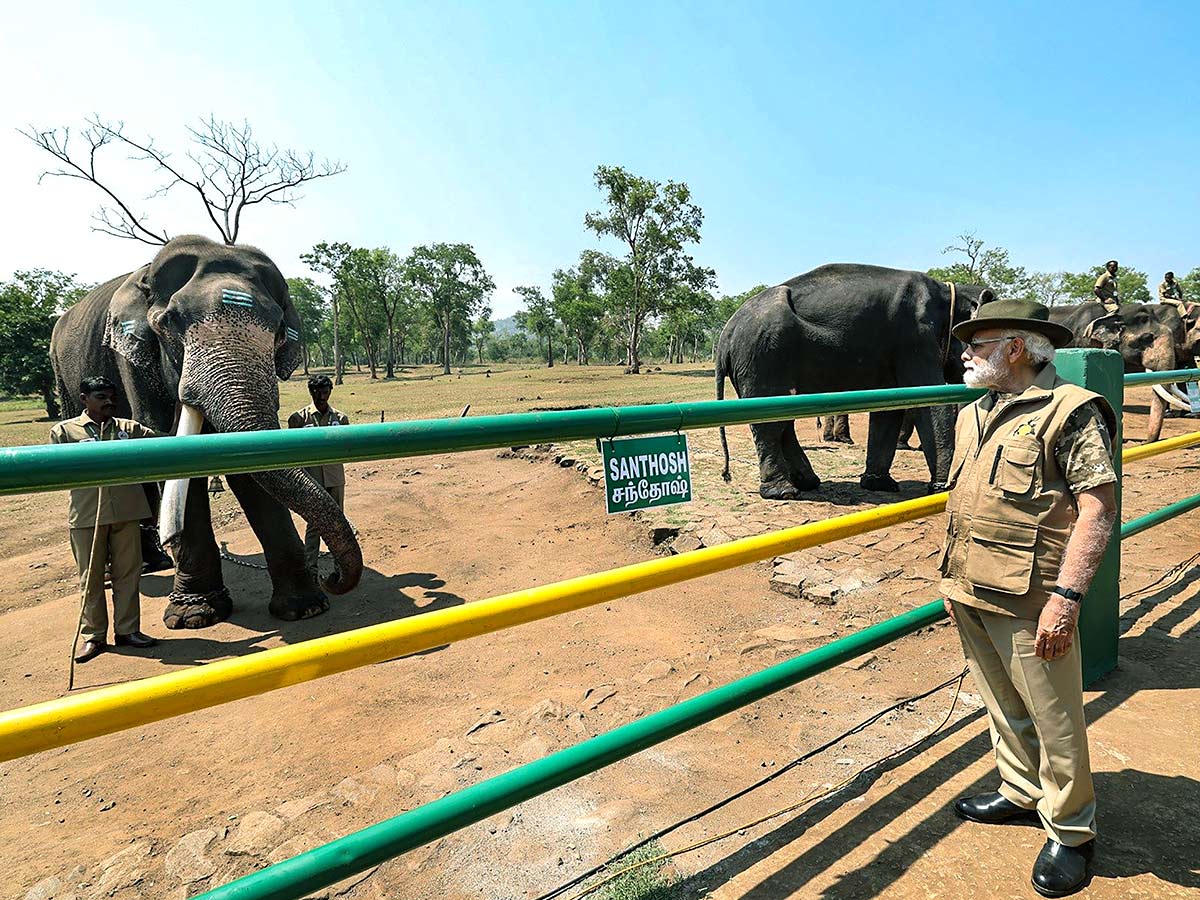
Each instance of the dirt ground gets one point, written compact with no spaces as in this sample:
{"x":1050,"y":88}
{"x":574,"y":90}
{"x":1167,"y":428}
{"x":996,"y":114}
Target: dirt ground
{"x":171,"y":809}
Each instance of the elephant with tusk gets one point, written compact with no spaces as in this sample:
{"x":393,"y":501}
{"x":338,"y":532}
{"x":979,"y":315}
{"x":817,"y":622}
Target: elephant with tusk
{"x":1150,"y":338}
{"x":197,"y":339}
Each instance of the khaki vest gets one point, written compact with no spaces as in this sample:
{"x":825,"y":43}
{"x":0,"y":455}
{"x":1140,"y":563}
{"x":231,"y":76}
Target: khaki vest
{"x":333,"y":474}
{"x":1010,"y":511}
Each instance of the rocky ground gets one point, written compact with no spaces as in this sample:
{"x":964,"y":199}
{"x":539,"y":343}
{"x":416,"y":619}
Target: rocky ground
{"x":173,"y":808}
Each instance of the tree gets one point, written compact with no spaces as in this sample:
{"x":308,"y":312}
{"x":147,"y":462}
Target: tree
{"x":538,"y":317}
{"x":654,"y":224}
{"x":578,"y":306}
{"x":29,"y":306}
{"x":990,"y":267}
{"x":1191,"y":285}
{"x":451,"y":285}
{"x":329,"y":258}
{"x":228,"y":169}
{"x":1078,"y":286}
{"x":482,"y":329}
{"x":311,"y":302}
{"x":365,"y":284}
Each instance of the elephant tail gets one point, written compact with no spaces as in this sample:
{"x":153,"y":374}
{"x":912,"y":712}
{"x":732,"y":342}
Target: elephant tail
{"x":720,"y":370}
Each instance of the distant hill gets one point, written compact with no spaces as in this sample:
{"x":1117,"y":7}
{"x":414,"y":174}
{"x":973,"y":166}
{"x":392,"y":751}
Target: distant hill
{"x":506,"y":326}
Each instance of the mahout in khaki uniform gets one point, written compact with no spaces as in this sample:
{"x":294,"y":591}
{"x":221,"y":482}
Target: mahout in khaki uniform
{"x":105,"y":526}
{"x":1032,"y":505}
{"x":1170,"y":293}
{"x":1107,"y":290}
{"x":319,"y":414}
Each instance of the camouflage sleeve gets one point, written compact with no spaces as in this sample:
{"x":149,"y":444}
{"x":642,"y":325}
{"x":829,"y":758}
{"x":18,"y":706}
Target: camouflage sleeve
{"x":1084,"y":452}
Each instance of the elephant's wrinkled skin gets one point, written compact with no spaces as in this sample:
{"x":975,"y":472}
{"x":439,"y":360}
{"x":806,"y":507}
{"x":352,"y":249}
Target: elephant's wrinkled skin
{"x":846,"y":327}
{"x":1148,"y":337}
{"x":210,"y":327}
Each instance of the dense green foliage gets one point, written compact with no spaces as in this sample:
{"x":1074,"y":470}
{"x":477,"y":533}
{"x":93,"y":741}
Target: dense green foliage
{"x":29,"y":306}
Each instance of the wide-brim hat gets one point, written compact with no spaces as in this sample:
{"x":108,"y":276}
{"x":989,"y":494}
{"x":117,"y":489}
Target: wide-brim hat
{"x":1017,"y":315}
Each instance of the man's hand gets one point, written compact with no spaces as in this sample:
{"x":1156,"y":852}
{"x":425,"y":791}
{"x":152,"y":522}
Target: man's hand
{"x":1056,"y":627}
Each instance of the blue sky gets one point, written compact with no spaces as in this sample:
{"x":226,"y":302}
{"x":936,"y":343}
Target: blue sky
{"x":809,"y":133}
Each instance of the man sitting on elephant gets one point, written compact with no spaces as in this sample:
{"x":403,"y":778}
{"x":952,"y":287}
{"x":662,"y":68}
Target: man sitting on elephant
{"x":845,"y":327}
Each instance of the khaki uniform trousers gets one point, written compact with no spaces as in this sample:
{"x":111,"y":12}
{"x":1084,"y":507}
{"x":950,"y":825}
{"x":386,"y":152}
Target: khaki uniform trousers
{"x":120,"y":546}
{"x":312,"y":537}
{"x":1035,"y":715}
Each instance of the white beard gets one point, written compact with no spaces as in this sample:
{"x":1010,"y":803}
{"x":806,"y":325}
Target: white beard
{"x":988,"y":375}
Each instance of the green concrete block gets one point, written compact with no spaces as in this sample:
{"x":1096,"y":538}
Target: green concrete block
{"x":1103,"y":372}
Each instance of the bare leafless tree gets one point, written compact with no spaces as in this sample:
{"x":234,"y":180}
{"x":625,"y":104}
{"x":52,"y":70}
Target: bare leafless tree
{"x":227,"y":168}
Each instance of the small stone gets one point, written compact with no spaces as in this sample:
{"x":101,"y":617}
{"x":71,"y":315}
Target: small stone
{"x":860,"y":662}
{"x":567,"y":462}
{"x":844,"y":761}
{"x":354,"y":792}
{"x":123,"y":869}
{"x":653,"y":671}
{"x":293,"y":809}
{"x":187,"y":861}
{"x":789,"y":584}
{"x":46,"y":889}
{"x":752,"y":646}
{"x":686,"y":543}
{"x":491,"y":718}
{"x":714,"y":537}
{"x":822,"y":594}
{"x":848,"y":584}
{"x":256,"y":834}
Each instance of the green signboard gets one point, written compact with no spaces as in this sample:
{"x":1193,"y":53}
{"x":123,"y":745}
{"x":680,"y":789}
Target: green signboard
{"x":643,"y":472}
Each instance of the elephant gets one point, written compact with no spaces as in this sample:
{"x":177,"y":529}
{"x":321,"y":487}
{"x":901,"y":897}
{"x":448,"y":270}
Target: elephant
{"x":1149,"y":338}
{"x":845,"y":327}
{"x":197,"y":339}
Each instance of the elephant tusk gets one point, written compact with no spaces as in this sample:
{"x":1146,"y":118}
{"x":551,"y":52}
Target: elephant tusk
{"x":1173,"y":397}
{"x":174,"y":501}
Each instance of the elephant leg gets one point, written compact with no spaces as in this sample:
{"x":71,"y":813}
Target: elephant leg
{"x":800,"y":470}
{"x":827,"y":429}
{"x":841,"y":429}
{"x":906,"y":430}
{"x":294,"y":593}
{"x":775,"y":482}
{"x":199,"y":597}
{"x":882,"y":432}
{"x":935,"y":425}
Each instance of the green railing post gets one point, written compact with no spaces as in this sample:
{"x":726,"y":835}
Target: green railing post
{"x":1100,"y":371}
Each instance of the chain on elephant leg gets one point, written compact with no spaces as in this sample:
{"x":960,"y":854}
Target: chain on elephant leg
{"x":186,"y":610}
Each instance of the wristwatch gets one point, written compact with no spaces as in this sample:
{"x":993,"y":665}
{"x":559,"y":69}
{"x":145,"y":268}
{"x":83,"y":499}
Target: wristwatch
{"x":1074,"y":596}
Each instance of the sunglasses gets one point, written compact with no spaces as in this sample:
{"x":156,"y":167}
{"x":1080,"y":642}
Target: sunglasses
{"x":975,"y":345}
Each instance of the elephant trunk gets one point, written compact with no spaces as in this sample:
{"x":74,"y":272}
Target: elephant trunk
{"x":242,"y":395}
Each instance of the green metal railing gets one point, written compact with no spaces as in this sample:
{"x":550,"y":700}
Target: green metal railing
{"x":356,"y":852}
{"x":53,"y":468}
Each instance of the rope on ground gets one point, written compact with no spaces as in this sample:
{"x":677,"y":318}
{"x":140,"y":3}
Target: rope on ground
{"x":957,"y":680}
{"x":1166,"y":579}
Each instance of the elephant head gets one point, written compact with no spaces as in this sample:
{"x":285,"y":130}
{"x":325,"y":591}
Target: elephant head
{"x":218,"y":322}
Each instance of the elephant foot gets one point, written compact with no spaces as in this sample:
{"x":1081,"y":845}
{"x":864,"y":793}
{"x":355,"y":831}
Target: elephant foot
{"x":197,"y":610}
{"x":778,"y":490}
{"x":840,"y":439}
{"x":879,"y":483}
{"x":304,"y":606}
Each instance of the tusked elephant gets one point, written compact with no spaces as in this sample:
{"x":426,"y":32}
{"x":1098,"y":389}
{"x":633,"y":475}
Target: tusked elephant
{"x":845,"y":327}
{"x":199,"y":337}
{"x":1149,"y":338}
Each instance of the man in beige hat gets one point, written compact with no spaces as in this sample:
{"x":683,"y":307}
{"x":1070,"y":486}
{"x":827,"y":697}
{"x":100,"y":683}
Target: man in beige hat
{"x":1032,"y":506}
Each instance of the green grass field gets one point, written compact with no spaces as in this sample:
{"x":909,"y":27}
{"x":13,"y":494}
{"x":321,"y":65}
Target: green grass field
{"x":423,"y":392}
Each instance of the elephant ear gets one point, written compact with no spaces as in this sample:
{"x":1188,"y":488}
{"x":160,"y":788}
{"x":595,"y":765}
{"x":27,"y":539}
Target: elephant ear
{"x":129,"y":333}
{"x":289,"y":351}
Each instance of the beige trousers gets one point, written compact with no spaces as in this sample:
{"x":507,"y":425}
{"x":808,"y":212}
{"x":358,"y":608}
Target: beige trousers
{"x":312,"y":537}
{"x":120,"y":546}
{"x":1035,"y":714}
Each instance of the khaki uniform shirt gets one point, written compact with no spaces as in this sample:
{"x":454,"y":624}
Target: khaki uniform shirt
{"x":1172,"y":295}
{"x":1019,"y":462}
{"x":331,"y":475}
{"x":122,"y":502}
{"x":1106,"y":288}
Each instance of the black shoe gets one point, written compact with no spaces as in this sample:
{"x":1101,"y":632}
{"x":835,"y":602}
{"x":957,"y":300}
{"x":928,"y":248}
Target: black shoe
{"x":137,"y":639}
{"x":160,"y":563}
{"x":1061,"y":870}
{"x":91,"y":649}
{"x":992,"y":809}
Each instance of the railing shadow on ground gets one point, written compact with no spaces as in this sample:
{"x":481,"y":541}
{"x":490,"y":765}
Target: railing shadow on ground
{"x":1157,"y":804}
{"x":379,"y":598}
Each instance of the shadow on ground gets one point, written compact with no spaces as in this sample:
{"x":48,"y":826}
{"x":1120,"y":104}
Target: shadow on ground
{"x":378,"y":598}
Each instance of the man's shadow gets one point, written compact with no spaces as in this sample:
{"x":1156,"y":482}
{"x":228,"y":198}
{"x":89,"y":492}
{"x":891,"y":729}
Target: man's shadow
{"x":378,"y":598}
